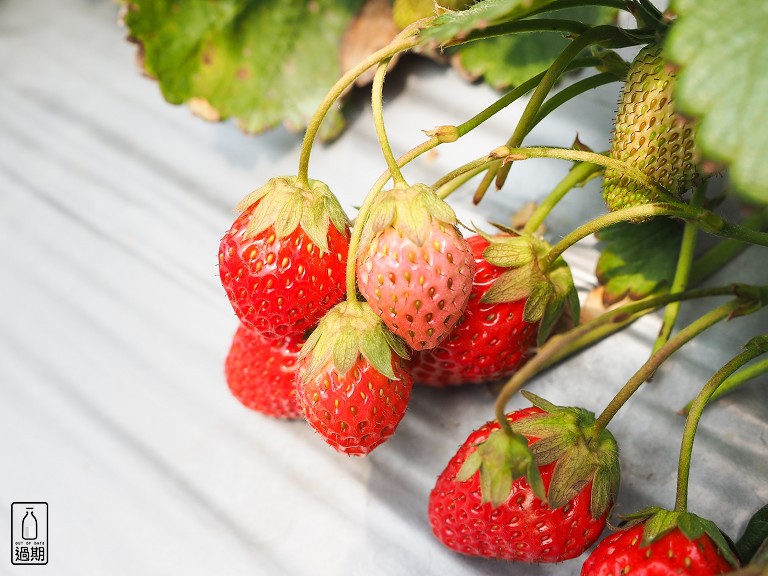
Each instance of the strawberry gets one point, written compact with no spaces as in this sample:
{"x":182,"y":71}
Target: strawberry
{"x":282,"y":263}
{"x":476,"y":507}
{"x":489,"y":342}
{"x":414,"y":267}
{"x":352,"y":384}
{"x":261,"y":372}
{"x":650,"y":135}
{"x":662,"y":543}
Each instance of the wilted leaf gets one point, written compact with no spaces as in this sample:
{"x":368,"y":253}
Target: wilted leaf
{"x":264,"y":63}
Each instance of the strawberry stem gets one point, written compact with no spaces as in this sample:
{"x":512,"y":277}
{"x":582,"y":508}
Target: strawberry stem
{"x":404,"y":41}
{"x":682,"y":271}
{"x":753,"y":349}
{"x":733,"y":382}
{"x":652,"y":364}
{"x":556,"y":70}
{"x":552,"y":349}
{"x":377,"y":106}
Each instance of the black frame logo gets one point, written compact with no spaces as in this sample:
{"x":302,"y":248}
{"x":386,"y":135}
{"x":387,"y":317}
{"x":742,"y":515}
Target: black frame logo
{"x":29,"y":533}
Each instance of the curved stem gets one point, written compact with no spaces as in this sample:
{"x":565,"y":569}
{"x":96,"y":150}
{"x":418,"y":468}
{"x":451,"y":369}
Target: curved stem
{"x":398,"y":45}
{"x":681,"y":338}
{"x":377,"y":106}
{"x":571,"y":92}
{"x":558,"y":342}
{"x":450,"y":187}
{"x":558,"y":67}
{"x":692,"y":422}
{"x":585,"y":156}
{"x":734,"y":381}
{"x":601,"y":222}
{"x":579,"y":174}
{"x":682,"y":271}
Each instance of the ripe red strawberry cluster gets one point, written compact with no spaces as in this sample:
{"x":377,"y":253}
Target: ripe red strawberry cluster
{"x":348,"y":366}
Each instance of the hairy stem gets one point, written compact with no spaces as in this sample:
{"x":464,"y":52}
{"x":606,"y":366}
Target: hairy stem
{"x":405,"y":41}
{"x":553,"y":74}
{"x":734,"y":381}
{"x":753,"y":349}
{"x":554,"y":346}
{"x":377,"y":106}
{"x":682,"y":271}
{"x":681,"y":338}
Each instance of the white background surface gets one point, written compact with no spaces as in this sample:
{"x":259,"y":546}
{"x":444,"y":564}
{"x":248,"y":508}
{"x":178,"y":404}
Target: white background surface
{"x":114,"y":328}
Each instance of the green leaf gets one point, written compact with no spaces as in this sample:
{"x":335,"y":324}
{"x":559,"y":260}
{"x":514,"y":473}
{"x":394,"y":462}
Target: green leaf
{"x":509,"y":252}
{"x":638,"y":258}
{"x":480,"y":15}
{"x":507,"y":61}
{"x":721,"y":49}
{"x":754,"y":535}
{"x":264,"y":63}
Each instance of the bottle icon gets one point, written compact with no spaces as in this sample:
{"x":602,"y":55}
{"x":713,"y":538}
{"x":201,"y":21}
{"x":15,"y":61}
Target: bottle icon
{"x":29,"y":525}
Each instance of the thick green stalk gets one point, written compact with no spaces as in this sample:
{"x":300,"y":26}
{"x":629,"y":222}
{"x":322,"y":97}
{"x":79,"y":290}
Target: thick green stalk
{"x":680,"y":339}
{"x":682,"y":271}
{"x":571,"y":92}
{"x":753,"y":349}
{"x":734,"y":381}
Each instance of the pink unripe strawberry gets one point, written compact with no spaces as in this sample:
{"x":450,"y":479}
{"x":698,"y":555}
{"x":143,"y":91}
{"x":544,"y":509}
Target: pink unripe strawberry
{"x":414,"y":267}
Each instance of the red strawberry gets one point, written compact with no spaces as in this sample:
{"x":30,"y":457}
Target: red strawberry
{"x":490,"y":341}
{"x":415,"y":269}
{"x":477,"y":508}
{"x":669,"y":552}
{"x":261,"y":372}
{"x":283,"y":261}
{"x":352,"y":387}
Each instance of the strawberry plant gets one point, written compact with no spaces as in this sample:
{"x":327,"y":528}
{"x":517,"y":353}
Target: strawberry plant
{"x":405,"y":292}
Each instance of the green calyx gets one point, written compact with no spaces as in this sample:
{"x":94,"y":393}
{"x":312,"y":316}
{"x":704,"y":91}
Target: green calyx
{"x":411,"y":210}
{"x":658,"y":522}
{"x":501,"y":459}
{"x":547,"y":292}
{"x":566,"y":436}
{"x":347,"y":331}
{"x":285,"y":203}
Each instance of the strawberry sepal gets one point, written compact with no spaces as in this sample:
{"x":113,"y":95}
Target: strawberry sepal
{"x":284,"y":203}
{"x":501,"y":459}
{"x":566,"y":435}
{"x":350,"y":330}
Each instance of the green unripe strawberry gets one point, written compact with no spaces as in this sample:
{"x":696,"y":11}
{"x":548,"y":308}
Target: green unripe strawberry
{"x":649,"y":135}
